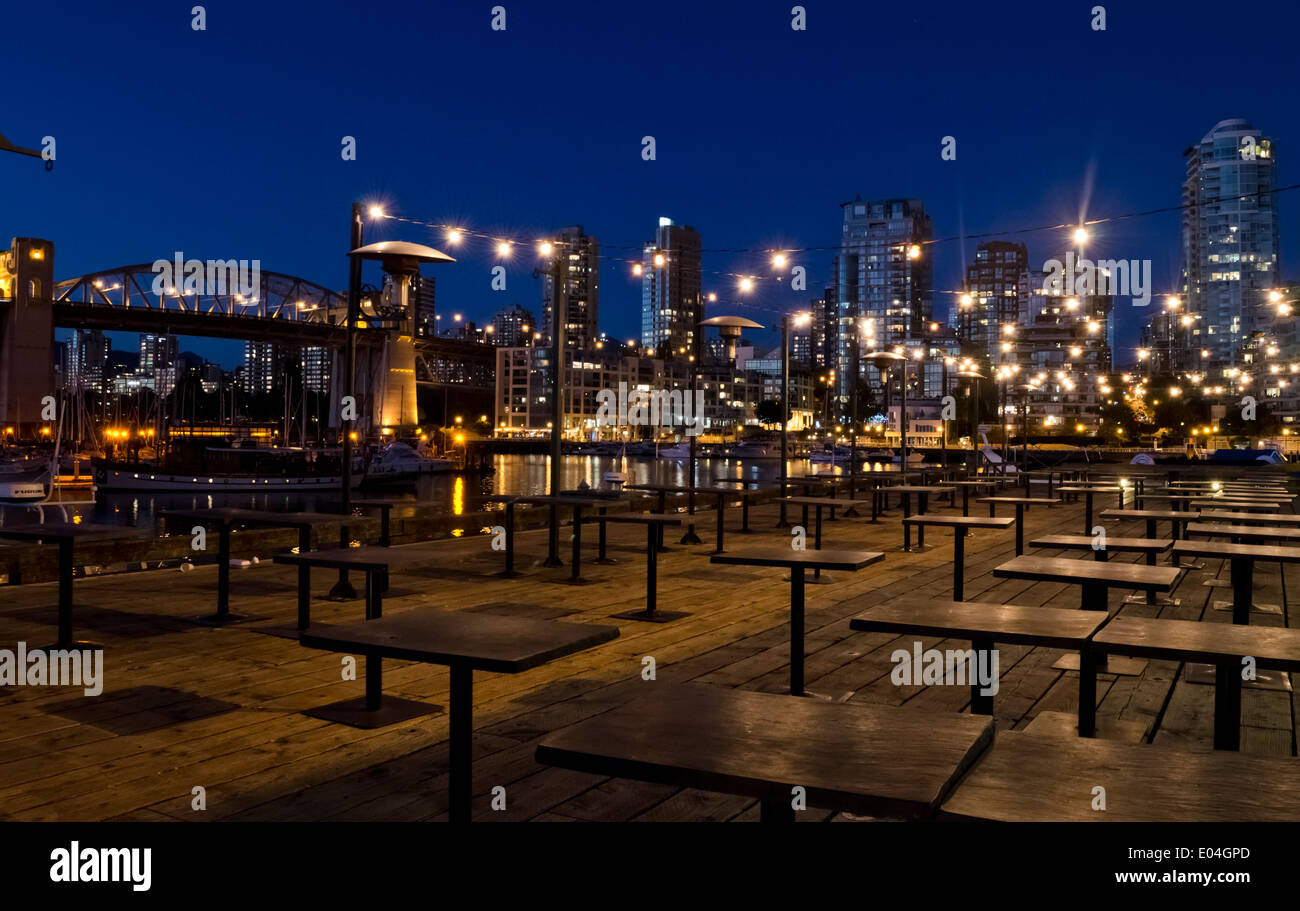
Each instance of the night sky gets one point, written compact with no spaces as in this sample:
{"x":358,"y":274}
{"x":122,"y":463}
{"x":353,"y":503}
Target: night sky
{"x":226,"y":142}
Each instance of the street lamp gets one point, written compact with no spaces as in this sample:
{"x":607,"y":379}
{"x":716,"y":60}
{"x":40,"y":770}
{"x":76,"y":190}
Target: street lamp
{"x":883,"y":360}
{"x":729,"y":329}
{"x":974,"y":376}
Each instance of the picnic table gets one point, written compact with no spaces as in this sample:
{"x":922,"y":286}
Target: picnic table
{"x":984,"y":625}
{"x":225,"y":519}
{"x":797,"y":561}
{"x":1030,"y":778}
{"x":761,"y":745}
{"x":1095,"y":581}
{"x":465,"y":643}
{"x":66,"y":535}
{"x":654,"y":527}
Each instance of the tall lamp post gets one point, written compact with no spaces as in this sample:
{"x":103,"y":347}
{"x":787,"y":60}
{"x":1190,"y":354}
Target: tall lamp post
{"x":800,"y":319}
{"x":973,"y":392}
{"x":883,"y":360}
{"x":729,"y":329}
{"x":559,"y":318}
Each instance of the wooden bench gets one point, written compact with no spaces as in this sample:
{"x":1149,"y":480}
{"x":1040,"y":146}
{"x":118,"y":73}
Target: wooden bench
{"x":1221,"y":644}
{"x":866,"y":759}
{"x":1027,"y":778}
{"x":959,"y":525}
{"x":984,"y":625}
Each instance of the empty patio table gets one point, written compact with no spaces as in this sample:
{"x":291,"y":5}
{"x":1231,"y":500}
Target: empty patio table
{"x":578,"y":504}
{"x":1242,"y":559}
{"x":1088,"y":490}
{"x":385,"y":508}
{"x":1150,"y":548}
{"x":922,"y":504}
{"x":762,"y":746}
{"x":225,"y":519}
{"x":1095,"y":581}
{"x":376,"y":563}
{"x":1250,"y":505}
{"x":959,"y":525}
{"x":1220,"y":644}
{"x":984,"y":625}
{"x":654,"y":531}
{"x":797,"y":561}
{"x":67,"y":535}
{"x":817,"y":503}
{"x":508,"y":504}
{"x":1177,"y":519}
{"x":1249,"y":518}
{"x":966,"y":487}
{"x":1029,"y":778}
{"x":465,"y":643}
{"x":1021,"y":504}
{"x":744,"y":492}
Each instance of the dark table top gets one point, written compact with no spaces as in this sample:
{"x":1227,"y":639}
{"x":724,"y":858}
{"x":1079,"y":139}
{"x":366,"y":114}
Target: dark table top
{"x":482,"y":642}
{"x":54,"y":531}
{"x":989,"y":483}
{"x":233,"y":515}
{"x":1256,"y":532}
{"x":561,"y":501}
{"x":1064,"y":569}
{"x":1115,"y":543}
{"x":811,"y":559}
{"x":1030,"y":778}
{"x":1146,"y":514}
{"x":1090,"y":488}
{"x":1249,"y":518}
{"x":1229,"y":551}
{"x":408,"y":555}
{"x":1053,"y":627}
{"x":819,"y":501}
{"x":644,"y":518}
{"x":1046,"y":501}
{"x":961,"y":521}
{"x":762,"y":745}
{"x":1199,"y":640}
{"x":918,"y":488}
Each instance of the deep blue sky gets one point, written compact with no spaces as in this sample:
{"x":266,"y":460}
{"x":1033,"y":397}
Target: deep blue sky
{"x":225,"y":143}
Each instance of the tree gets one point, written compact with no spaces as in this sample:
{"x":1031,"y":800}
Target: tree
{"x":768,"y":411}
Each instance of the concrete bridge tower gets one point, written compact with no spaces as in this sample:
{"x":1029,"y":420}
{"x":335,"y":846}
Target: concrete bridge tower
{"x":26,"y":335}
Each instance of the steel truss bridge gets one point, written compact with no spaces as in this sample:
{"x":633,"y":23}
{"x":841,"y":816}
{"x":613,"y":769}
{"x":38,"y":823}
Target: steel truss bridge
{"x":284,"y":310}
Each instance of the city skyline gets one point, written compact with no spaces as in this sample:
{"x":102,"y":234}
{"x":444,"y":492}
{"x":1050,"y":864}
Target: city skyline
{"x":757,"y":179}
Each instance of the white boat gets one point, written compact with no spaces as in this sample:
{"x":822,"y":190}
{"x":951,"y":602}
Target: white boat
{"x":750,"y":449}
{"x":676,"y":451}
{"x":23,"y":482}
{"x":399,"y":462}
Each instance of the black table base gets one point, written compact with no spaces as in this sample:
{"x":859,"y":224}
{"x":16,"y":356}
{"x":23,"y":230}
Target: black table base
{"x":355,"y":713}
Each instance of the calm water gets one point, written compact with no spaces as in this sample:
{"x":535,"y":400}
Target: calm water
{"x":453,"y":494}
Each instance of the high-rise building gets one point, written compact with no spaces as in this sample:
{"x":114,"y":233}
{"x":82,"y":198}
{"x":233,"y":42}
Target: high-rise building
{"x":513,"y":328}
{"x":157,"y":367}
{"x":87,"y":365}
{"x":422,"y":306}
{"x":672,"y":306}
{"x":825,"y":322}
{"x":997,"y":294}
{"x":317,"y":364}
{"x":579,"y":256}
{"x":258,"y":375}
{"x":882,"y":282}
{"x":1230,"y":238}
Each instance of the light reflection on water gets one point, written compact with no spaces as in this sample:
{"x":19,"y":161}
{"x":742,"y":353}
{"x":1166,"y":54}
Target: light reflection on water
{"x":452,"y":494}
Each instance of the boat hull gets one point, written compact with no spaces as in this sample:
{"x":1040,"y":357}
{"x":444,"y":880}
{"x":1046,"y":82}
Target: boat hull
{"x":132,"y":479}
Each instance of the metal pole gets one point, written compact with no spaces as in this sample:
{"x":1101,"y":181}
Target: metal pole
{"x":343,"y":588}
{"x":785,"y":399}
{"x":558,"y":291}
{"x":697,"y":353}
{"x":853,"y":408}
{"x":902,"y":417}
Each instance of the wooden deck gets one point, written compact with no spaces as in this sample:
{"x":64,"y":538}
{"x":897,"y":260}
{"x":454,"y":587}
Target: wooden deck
{"x":187,"y":707}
